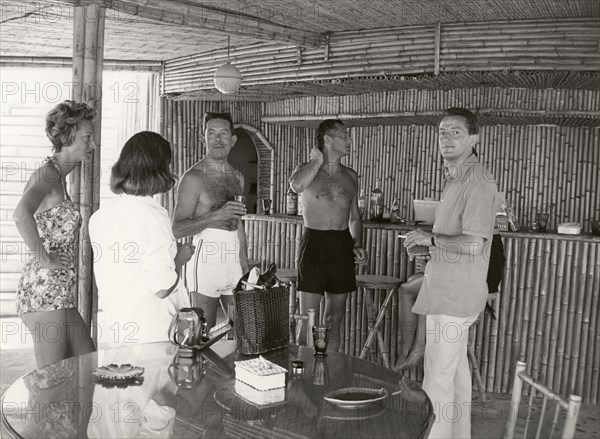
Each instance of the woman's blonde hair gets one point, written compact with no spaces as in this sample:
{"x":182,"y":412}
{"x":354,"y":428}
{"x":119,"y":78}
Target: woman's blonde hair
{"x":63,"y":120}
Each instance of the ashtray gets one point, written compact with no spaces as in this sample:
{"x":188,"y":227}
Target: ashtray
{"x":411,"y":222}
{"x":116,"y":372}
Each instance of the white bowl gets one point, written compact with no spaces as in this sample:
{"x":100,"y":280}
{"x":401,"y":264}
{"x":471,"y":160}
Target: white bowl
{"x":425,"y":210}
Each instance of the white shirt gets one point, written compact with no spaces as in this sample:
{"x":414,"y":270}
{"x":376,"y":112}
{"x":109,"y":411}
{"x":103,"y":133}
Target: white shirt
{"x":134,"y":250}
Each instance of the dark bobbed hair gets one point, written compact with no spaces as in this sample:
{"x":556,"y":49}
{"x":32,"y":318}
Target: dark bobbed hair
{"x":63,"y":120}
{"x":224,"y":116}
{"x":325,"y":127}
{"x":472,"y":124}
{"x":143,"y":166}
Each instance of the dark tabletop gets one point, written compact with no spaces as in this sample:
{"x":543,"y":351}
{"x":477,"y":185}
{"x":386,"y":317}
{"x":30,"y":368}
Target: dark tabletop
{"x":65,"y":400}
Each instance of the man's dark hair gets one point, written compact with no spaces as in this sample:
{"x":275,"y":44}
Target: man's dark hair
{"x":325,"y":127}
{"x":224,"y":116}
{"x":472,"y":125}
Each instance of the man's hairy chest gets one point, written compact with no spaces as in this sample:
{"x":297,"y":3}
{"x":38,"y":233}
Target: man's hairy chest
{"x":219,"y":190}
{"x":333,"y":188}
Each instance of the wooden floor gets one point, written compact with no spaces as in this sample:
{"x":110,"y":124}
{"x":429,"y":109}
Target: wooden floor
{"x":16,"y":359}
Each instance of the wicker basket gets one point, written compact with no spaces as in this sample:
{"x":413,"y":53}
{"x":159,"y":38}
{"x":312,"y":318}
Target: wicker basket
{"x":262,"y":320}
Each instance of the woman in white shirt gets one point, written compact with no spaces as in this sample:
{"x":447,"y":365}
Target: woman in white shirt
{"x":136,"y":258}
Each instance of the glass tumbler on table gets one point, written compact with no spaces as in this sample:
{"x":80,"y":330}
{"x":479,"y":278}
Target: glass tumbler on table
{"x":320,"y":338}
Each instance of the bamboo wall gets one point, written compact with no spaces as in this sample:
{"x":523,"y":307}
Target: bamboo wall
{"x":547,"y":310}
{"x":538,"y":167}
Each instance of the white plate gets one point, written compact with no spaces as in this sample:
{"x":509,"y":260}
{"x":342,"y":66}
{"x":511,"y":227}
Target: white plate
{"x":355,"y":397}
{"x":118,"y":372}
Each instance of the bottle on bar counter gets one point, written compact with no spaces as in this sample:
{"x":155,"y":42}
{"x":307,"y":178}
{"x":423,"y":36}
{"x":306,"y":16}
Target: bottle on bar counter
{"x":362,"y":204}
{"x":292,"y":202}
{"x":299,"y":204}
{"x":377,"y":202}
{"x":395,"y":216}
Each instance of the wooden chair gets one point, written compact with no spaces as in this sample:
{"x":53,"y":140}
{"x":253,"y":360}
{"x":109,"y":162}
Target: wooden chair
{"x":376,"y":317}
{"x":471,"y":352}
{"x":571,"y":406}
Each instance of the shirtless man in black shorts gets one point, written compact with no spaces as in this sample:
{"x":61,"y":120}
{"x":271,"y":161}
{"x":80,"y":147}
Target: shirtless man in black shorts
{"x":332,"y":239}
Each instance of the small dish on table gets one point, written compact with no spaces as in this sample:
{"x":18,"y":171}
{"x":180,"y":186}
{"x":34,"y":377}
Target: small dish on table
{"x":115,"y":372}
{"x":355,"y":397}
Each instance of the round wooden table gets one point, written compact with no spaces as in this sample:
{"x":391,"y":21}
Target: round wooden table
{"x":65,"y":400}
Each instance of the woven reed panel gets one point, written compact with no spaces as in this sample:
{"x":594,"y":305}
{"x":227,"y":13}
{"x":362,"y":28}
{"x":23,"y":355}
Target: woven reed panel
{"x":549,"y":102}
{"x":494,"y":105}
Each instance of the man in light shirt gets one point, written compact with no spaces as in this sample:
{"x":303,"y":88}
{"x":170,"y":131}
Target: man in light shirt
{"x":454,"y":290}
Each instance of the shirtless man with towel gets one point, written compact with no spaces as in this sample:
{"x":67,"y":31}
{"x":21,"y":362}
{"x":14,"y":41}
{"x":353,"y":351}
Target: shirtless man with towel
{"x":205,"y":210}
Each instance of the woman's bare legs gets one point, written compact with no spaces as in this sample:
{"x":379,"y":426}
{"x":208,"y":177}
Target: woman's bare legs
{"x":57,"y":335}
{"x":80,"y":339}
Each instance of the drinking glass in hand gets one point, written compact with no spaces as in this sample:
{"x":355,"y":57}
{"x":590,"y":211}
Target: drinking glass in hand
{"x":240,"y":198}
{"x":320,"y":338}
{"x":266,"y":204}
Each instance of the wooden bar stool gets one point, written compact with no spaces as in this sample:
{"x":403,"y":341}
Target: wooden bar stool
{"x":375,"y":282}
{"x":471,"y":351}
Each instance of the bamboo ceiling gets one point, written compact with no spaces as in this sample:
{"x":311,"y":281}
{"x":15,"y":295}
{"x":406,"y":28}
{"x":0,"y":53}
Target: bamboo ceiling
{"x":154,"y":30}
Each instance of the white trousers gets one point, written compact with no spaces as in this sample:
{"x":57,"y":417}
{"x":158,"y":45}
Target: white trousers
{"x":447,"y":378}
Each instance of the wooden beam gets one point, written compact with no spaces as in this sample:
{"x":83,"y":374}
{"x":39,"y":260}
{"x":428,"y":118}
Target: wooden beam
{"x":207,"y":17}
{"x":88,"y":44}
{"x":436,"y":54}
{"x":48,"y":61}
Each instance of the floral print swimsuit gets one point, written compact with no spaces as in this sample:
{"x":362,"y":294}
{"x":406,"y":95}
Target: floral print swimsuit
{"x":41,"y":289}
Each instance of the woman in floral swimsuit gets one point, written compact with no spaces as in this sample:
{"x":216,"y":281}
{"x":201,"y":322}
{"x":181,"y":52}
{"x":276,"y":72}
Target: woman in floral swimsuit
{"x":49,"y":224}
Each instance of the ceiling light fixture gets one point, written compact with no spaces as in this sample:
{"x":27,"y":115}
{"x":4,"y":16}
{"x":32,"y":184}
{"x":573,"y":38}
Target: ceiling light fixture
{"x":227,"y":77}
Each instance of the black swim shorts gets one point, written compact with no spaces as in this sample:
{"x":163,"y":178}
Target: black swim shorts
{"x":326,"y":262}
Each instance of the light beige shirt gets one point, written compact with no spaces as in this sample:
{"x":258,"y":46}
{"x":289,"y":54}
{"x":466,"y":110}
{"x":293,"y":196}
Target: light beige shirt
{"x":455,"y":284}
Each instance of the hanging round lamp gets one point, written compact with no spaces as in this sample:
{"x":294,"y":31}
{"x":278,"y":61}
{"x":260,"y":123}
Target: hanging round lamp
{"x":228,"y":78}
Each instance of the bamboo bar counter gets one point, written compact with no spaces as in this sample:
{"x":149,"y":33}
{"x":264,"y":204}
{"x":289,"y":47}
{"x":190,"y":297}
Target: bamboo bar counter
{"x":547,"y":309}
